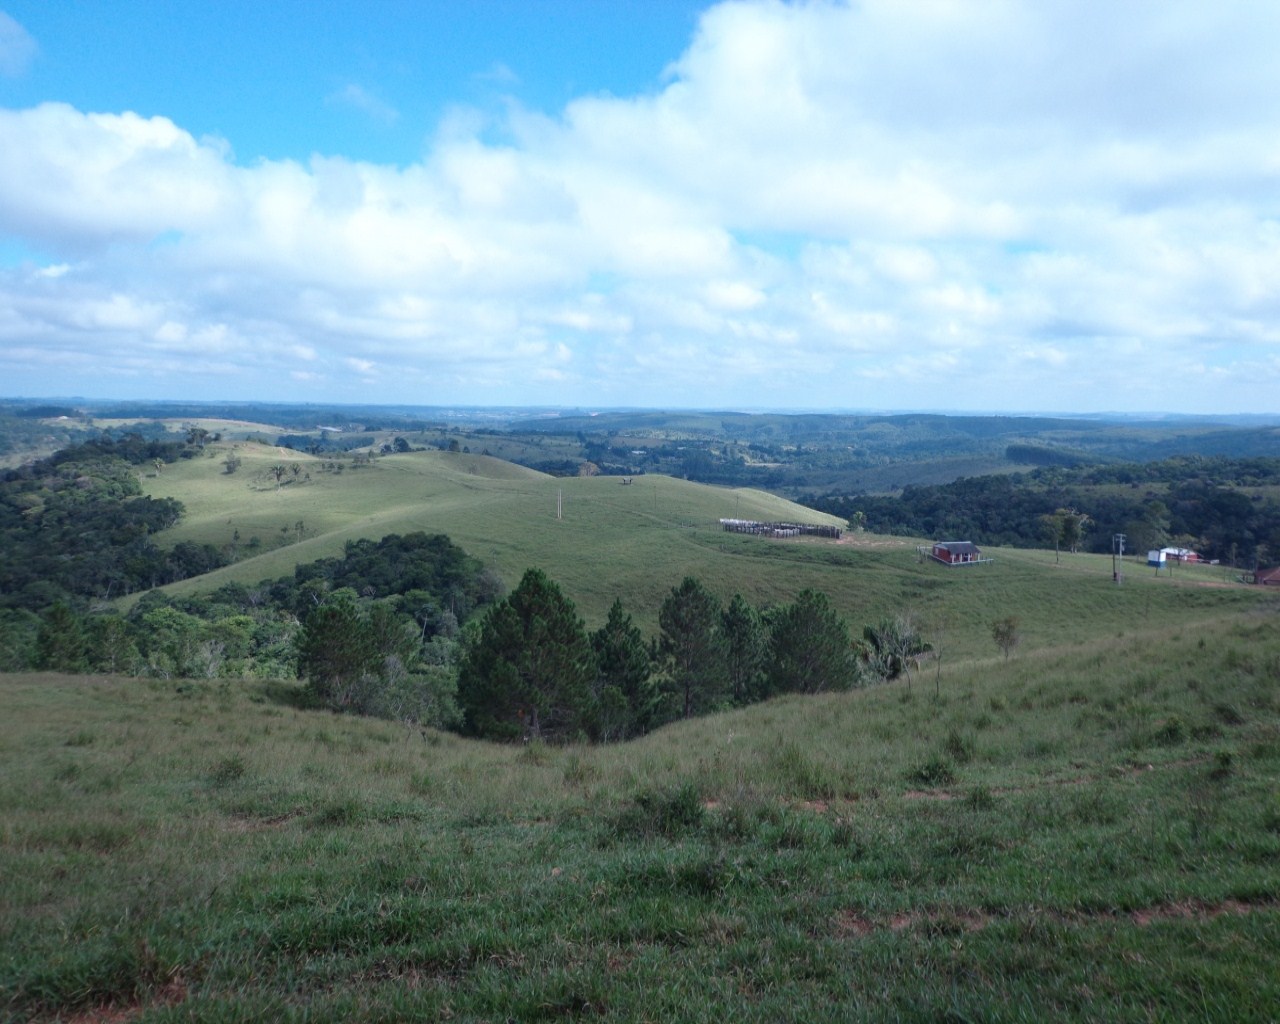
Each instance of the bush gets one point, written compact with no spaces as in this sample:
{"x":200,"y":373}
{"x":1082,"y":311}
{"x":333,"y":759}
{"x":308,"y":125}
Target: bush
{"x":670,"y":813}
{"x":937,"y":771}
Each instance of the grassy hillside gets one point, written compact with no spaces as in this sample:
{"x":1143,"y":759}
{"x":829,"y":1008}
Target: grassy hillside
{"x":613,"y":540}
{"x":636,"y":542}
{"x":1080,"y":834}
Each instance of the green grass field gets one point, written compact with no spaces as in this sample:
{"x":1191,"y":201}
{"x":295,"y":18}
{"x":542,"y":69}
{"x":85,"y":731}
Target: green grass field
{"x":1087,"y":833}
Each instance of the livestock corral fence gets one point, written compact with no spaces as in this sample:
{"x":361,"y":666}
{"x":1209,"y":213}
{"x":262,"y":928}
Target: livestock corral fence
{"x":779,"y":529}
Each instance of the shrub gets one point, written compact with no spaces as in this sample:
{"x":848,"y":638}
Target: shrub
{"x":937,"y":771}
{"x":228,"y":770}
{"x":669,"y":813}
{"x":1170,"y":732}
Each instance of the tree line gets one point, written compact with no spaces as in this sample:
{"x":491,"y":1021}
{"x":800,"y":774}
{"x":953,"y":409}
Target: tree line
{"x":531,"y":670}
{"x":1222,"y":508}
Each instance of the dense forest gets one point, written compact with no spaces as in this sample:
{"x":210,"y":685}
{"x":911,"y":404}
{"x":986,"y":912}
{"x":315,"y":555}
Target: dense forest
{"x":76,"y":526}
{"x":1225,"y":509}
{"x":402,"y":596}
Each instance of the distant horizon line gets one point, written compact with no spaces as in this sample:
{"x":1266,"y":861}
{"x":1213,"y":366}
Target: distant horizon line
{"x":589,"y":411}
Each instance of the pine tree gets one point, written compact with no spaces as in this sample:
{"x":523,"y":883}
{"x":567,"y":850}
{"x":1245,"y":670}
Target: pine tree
{"x":624,"y":692}
{"x":336,"y":651}
{"x":60,"y":642}
{"x":692,"y":648}
{"x":527,"y":671}
{"x":809,"y":647}
{"x":746,"y":651}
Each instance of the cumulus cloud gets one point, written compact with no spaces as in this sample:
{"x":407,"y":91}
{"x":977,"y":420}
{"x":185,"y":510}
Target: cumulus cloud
{"x":893,"y":203}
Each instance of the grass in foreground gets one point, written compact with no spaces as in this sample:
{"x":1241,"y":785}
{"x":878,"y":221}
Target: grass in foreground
{"x":1086,"y":835}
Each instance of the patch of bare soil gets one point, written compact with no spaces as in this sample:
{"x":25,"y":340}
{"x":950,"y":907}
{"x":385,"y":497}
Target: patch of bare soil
{"x":1191,"y":911}
{"x":855,"y":924}
{"x":171,"y":993}
{"x":851,"y":540}
{"x":249,"y":824}
{"x":937,"y":921}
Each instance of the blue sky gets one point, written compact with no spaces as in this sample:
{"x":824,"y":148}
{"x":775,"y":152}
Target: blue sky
{"x":368,"y":81}
{"x":1061,"y":205}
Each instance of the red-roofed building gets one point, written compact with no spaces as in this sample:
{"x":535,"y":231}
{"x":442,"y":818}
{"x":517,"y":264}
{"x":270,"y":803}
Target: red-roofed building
{"x":956,"y":552}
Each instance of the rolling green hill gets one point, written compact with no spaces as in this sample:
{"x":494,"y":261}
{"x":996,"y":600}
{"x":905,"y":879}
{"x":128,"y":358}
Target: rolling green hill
{"x":636,"y":542}
{"x":633,"y":541}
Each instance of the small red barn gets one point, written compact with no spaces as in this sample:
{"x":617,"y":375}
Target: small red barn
{"x":956,"y":552}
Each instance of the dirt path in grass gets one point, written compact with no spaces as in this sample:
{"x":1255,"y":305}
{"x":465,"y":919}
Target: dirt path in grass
{"x":856,"y":924}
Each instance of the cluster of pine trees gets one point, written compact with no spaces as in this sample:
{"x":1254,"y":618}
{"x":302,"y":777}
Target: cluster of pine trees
{"x":531,"y":670}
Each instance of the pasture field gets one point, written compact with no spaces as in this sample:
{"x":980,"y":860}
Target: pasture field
{"x":1084,"y":834}
{"x":637,"y":542}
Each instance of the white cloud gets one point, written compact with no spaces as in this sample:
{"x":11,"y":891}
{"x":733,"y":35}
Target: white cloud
{"x":17,"y":48}
{"x":357,"y":97}
{"x":74,"y":181}
{"x":822,"y":203}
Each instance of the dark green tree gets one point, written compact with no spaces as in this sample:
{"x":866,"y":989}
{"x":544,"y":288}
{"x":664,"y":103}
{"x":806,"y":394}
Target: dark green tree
{"x":624,"y":691}
{"x":527,"y":671}
{"x":19,"y":630}
{"x":692,"y":649}
{"x":809,"y":647}
{"x":336,"y":652}
{"x":60,"y":641}
{"x":746,"y":651}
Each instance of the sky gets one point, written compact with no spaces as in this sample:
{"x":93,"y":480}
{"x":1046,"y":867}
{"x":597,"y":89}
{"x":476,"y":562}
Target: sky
{"x":959,"y":205}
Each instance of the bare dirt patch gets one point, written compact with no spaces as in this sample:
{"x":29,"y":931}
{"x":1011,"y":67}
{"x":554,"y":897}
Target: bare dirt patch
{"x":850,"y":540}
{"x":171,"y":993}
{"x":1190,"y":911}
{"x":244,"y":824}
{"x":853,"y":924}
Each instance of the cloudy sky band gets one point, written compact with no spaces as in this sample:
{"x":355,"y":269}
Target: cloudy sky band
{"x":883,"y":204}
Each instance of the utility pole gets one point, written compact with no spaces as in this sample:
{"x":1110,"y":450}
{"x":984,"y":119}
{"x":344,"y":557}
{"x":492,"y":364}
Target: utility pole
{"x":560,"y":504}
{"x":1117,"y":551}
